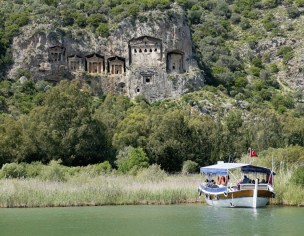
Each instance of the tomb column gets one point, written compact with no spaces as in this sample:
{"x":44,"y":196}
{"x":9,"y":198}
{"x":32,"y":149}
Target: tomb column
{"x":99,"y":67}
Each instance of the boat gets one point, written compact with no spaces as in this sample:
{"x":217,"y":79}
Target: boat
{"x":224,"y":187}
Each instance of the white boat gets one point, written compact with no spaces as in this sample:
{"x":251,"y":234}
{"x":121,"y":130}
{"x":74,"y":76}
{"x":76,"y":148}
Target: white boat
{"x":228,"y":191}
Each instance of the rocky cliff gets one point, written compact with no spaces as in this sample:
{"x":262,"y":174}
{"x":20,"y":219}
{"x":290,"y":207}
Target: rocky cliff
{"x":150,"y":56}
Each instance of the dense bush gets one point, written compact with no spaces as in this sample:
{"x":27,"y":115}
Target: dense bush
{"x":298,"y":176}
{"x":153,"y":173}
{"x":131,"y":160}
{"x":13,"y":170}
{"x":190,"y":167}
{"x":102,"y":30}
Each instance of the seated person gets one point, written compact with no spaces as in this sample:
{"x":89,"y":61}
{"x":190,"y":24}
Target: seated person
{"x":263,"y":181}
{"x":210,"y":183}
{"x":213,"y":185}
{"x":245,"y":180}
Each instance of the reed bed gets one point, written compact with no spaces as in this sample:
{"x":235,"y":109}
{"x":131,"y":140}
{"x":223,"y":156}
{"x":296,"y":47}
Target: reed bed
{"x":87,"y":190}
{"x":99,"y":190}
{"x":287,"y":193}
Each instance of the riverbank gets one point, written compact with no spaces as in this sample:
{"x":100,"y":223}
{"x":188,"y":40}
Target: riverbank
{"x":118,"y":190}
{"x":100,"y":190}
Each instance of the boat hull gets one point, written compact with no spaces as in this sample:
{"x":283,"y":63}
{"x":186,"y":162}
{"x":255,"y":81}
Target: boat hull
{"x":245,"y":202}
{"x":243,"y":198}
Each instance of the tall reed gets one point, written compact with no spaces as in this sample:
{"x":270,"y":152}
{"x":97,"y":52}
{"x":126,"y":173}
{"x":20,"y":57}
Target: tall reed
{"x":100,"y":190}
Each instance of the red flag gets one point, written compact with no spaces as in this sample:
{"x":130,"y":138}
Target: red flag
{"x":252,"y":153}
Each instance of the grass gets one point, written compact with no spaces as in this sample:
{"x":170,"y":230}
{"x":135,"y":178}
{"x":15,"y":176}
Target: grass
{"x":100,"y":190}
{"x":54,"y":185}
{"x":287,"y":193}
{"x":285,"y":162}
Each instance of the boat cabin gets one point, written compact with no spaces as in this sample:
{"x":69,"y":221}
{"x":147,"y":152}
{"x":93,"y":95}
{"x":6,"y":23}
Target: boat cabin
{"x":237,"y":185}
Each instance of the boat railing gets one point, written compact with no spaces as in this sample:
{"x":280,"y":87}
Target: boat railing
{"x":214,"y":188}
{"x":251,"y":186}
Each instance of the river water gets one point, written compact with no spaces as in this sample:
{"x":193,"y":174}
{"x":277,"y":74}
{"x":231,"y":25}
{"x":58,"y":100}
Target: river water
{"x":152,"y":220}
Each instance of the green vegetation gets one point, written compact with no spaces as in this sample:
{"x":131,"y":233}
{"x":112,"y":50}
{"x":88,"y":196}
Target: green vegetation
{"x":71,"y":135}
{"x":80,"y":186}
{"x":67,"y":122}
{"x":38,"y":185}
{"x":288,"y":165}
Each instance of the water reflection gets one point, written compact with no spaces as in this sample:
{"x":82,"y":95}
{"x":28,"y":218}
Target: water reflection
{"x":152,"y":220}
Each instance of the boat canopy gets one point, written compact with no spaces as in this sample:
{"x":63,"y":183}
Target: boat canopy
{"x":222,"y":169}
{"x":256,"y":169}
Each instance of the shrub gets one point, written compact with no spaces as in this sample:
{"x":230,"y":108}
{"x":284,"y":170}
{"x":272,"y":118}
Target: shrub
{"x":130,"y":160}
{"x":300,"y":3}
{"x":240,"y":82}
{"x":293,"y":12}
{"x":280,"y":101}
{"x":34,"y":169}
{"x":189,"y":167}
{"x":13,"y":170}
{"x":80,"y":21}
{"x":274,"y":68}
{"x":257,"y":61}
{"x":95,"y":19}
{"x":299,"y":110}
{"x":284,"y":50}
{"x":287,"y":57}
{"x":133,"y":10}
{"x":270,"y":3}
{"x":245,"y":24}
{"x":103,"y":30}
{"x":255,"y":71}
{"x":298,"y":176}
{"x":153,"y":173}
{"x":54,"y":171}
{"x":235,"y":18}
{"x":103,"y":168}
{"x":42,"y":85}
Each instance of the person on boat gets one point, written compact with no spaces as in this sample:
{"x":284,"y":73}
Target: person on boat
{"x":245,"y":180}
{"x":210,"y":183}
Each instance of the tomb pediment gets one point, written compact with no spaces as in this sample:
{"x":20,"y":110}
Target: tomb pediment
{"x":57,"y":48}
{"x":94,"y":56}
{"x":145,"y":40}
{"x":116,"y":59}
{"x":77,"y":57}
{"x":175,"y":51}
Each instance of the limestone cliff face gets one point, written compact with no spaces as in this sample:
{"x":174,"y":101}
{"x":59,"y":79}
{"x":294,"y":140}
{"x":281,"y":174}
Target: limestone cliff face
{"x":151,"y":57}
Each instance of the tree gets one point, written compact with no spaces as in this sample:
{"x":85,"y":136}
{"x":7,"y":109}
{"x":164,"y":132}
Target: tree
{"x":264,"y":129}
{"x":189,"y":167}
{"x":168,"y":140}
{"x":112,"y":111}
{"x":130,"y":160}
{"x":64,"y":127}
{"x":15,"y":144}
{"x":133,"y":130}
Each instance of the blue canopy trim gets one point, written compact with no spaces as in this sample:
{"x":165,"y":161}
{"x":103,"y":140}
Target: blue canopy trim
{"x":256,"y":169}
{"x":222,"y":169}
{"x":214,"y":171}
